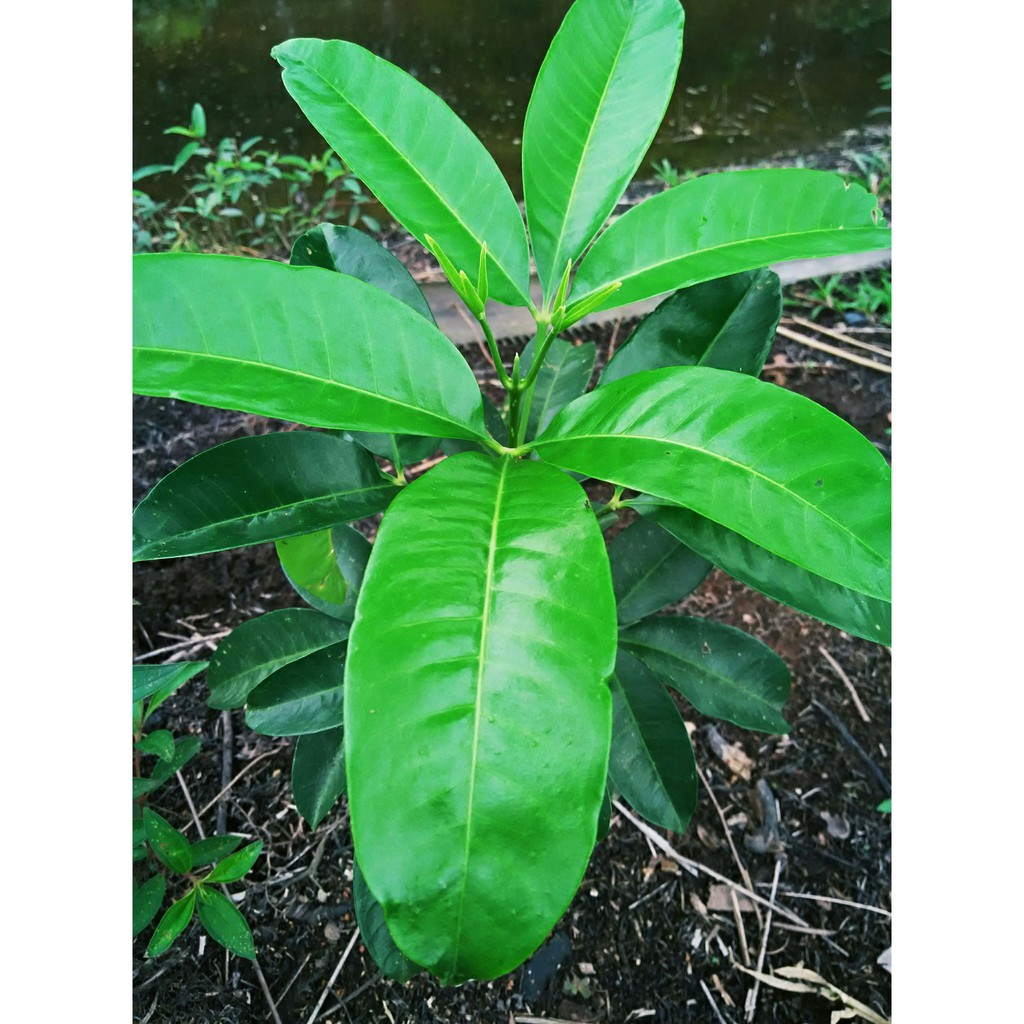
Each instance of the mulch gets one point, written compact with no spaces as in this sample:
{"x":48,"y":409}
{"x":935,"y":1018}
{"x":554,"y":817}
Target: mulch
{"x":645,"y":938}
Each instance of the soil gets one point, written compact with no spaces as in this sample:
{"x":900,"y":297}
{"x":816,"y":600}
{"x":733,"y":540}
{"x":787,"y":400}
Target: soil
{"x":644,"y":939}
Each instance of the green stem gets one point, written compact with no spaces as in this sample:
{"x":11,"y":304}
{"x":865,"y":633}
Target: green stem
{"x":506,"y":381}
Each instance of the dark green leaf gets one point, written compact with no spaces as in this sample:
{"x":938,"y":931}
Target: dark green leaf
{"x":728,"y":323}
{"x":652,"y":762}
{"x":563,"y":377}
{"x":867,"y":617}
{"x":605,"y":819}
{"x":496,"y":426}
{"x":146,"y":900}
{"x":224,"y":923}
{"x":353,"y":252}
{"x":147,"y":679}
{"x":598,"y":100}
{"x":212,"y":848}
{"x":184,"y":750}
{"x":326,"y":568}
{"x":235,"y":866}
{"x":259,"y":647}
{"x":296,"y":343}
{"x":373,"y":930}
{"x":767,"y":463}
{"x":410,"y":449}
{"x":302,"y":697}
{"x":169,"y":845}
{"x":723,"y":672}
{"x":256,"y":489}
{"x":160,"y":743}
{"x":726,"y":223}
{"x":142,"y":786}
{"x":318,"y":773}
{"x":476,"y":713}
{"x":172,"y":924}
{"x":426,"y":166}
{"x":651,"y":568}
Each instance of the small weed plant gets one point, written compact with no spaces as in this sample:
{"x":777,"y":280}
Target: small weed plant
{"x":238,"y":195}
{"x":489,"y":671}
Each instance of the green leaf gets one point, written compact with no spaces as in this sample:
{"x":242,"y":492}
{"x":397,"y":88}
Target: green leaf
{"x":496,"y":426}
{"x":863,"y":616}
{"x":259,"y":647}
{"x":723,"y":672}
{"x":172,"y":924}
{"x":728,"y":323}
{"x":604,"y":820}
{"x":257,"y":489}
{"x":169,"y":845}
{"x":146,"y":900}
{"x":224,"y":923}
{"x":476,"y":713}
{"x":726,"y":223}
{"x":373,"y":930}
{"x":598,"y":100}
{"x":885,"y":807}
{"x":235,"y":866}
{"x":160,"y":743}
{"x":353,"y":252}
{"x":184,"y":750}
{"x":142,"y":786}
{"x":410,"y":449}
{"x":651,"y":568}
{"x":147,"y":679}
{"x":652,"y":762}
{"x":564,"y":376}
{"x":767,"y":463}
{"x":296,"y":343}
{"x":213,"y":848}
{"x":198,"y":120}
{"x":425,"y":165}
{"x":318,"y":773}
{"x":312,"y":569}
{"x":302,"y":697}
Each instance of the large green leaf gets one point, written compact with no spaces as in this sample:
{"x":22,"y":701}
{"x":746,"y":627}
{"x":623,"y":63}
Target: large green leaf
{"x":564,"y":376}
{"x":767,"y":463}
{"x":147,"y":679}
{"x":302,"y":697}
{"x":598,"y":100}
{"x":257,"y":489}
{"x":421,"y":161}
{"x":728,"y":323}
{"x":224,"y":922}
{"x":652,"y":762}
{"x":725,"y":223}
{"x":477,"y":717}
{"x":373,"y":930}
{"x":353,"y":252}
{"x":326,"y":568}
{"x":867,"y":617}
{"x":651,"y":568}
{"x":723,"y":672}
{"x":296,"y":343}
{"x":318,"y":773}
{"x":259,"y":647}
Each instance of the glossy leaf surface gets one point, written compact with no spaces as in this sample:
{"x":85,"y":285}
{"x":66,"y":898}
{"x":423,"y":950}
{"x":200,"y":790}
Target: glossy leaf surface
{"x":598,"y":100}
{"x":302,"y":697}
{"x":477,"y":716}
{"x":326,"y":568}
{"x":160,"y":743}
{"x":726,"y":223}
{"x":185,"y":748}
{"x":728,"y":323}
{"x":416,"y":155}
{"x":257,"y":489}
{"x":259,"y":647}
{"x":652,"y":763}
{"x":169,"y":845}
{"x":224,"y":922}
{"x":237,"y":865}
{"x":651,"y":568}
{"x":318,"y":773}
{"x":213,"y":848}
{"x":353,"y":252}
{"x":172,"y":924}
{"x":564,"y":376}
{"x":147,"y":679}
{"x":723,"y":672}
{"x":863,"y":616}
{"x":767,"y":463}
{"x":146,"y":900}
{"x":296,"y":343}
{"x":373,"y":930}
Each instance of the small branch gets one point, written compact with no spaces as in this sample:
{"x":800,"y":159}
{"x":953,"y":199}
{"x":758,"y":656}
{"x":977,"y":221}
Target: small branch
{"x":714,"y":1005}
{"x":337,"y":971}
{"x":194,"y":641}
{"x":830,"y":899}
{"x":191,"y":806}
{"x":751,"y":1006}
{"x":266,"y":990}
{"x":838,"y":669}
{"x":226,"y":764}
{"x":837,"y":723}
{"x":251,"y":764}
{"x":821,"y":346}
{"x":856,"y":342}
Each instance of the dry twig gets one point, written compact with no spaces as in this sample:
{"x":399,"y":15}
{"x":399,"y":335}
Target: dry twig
{"x":751,"y":1005}
{"x":821,"y":346}
{"x":838,"y":669}
{"x":839,"y":336}
{"x":337,"y":971}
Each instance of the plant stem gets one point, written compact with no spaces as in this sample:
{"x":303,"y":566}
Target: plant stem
{"x":396,"y":458}
{"x":503,"y":376}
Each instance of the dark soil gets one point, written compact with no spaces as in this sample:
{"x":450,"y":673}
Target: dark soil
{"x":644,"y":940}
